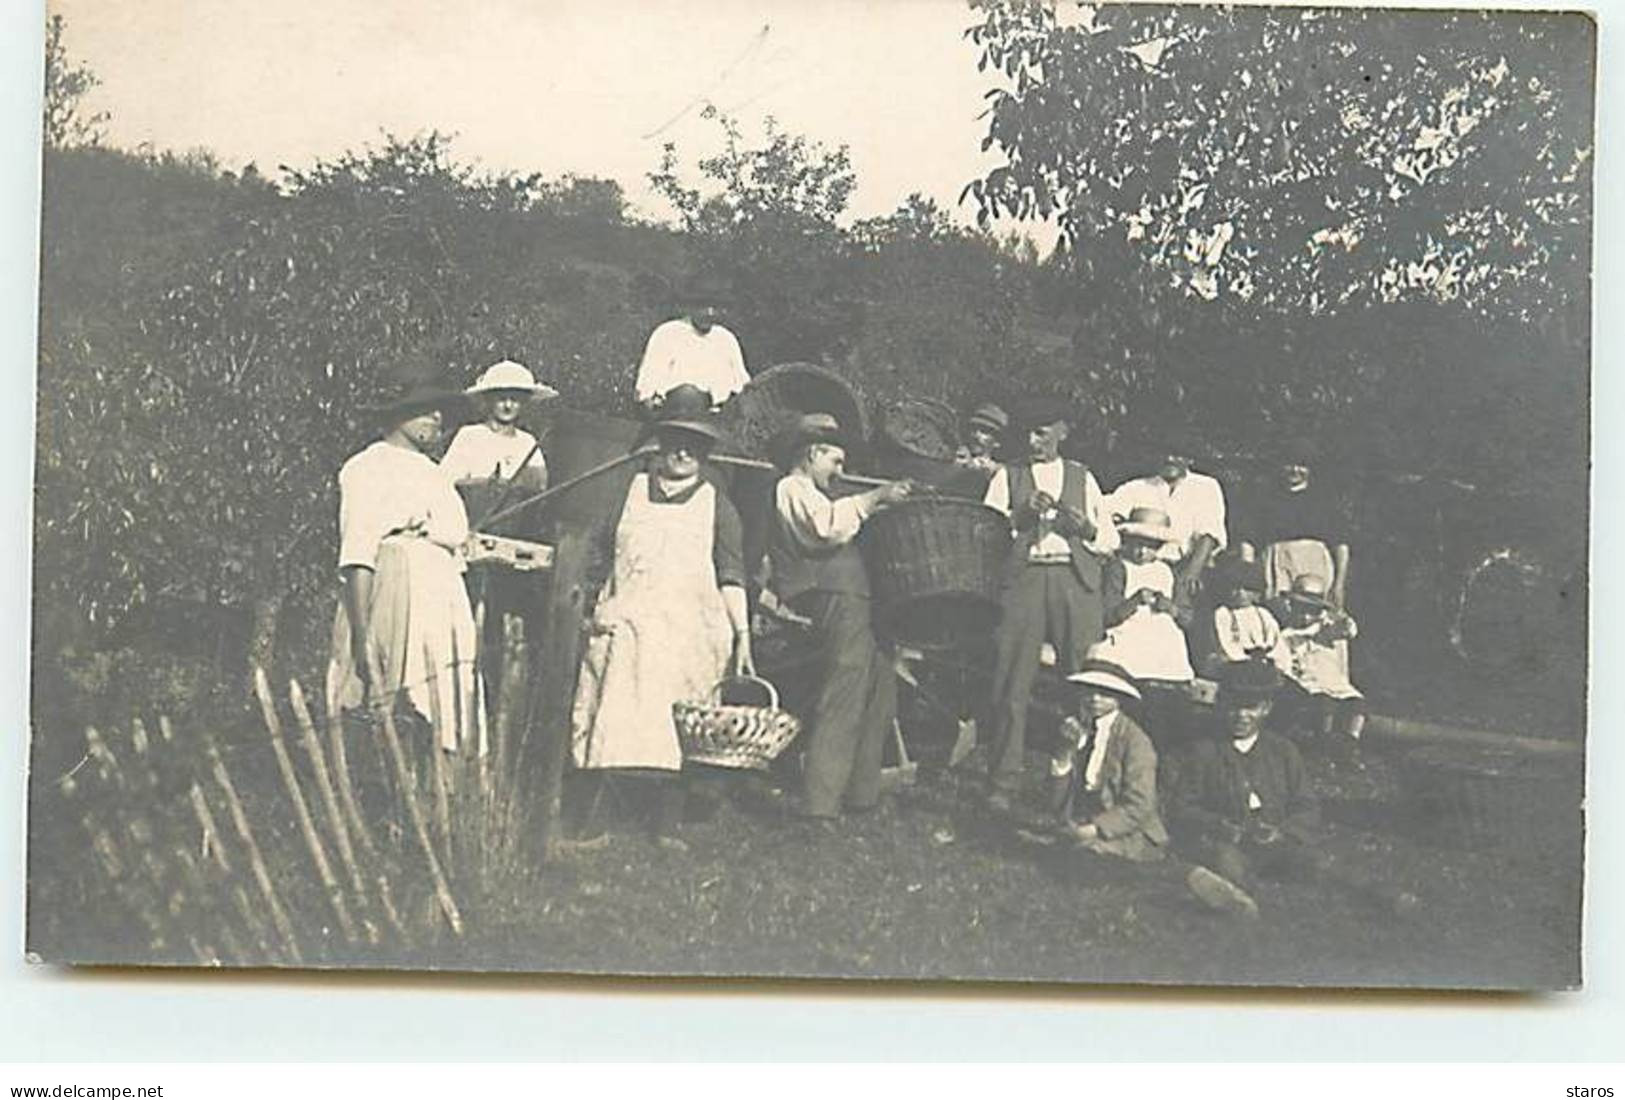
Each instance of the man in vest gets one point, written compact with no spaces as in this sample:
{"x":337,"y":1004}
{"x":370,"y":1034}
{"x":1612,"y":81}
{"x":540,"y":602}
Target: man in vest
{"x":819,"y":573}
{"x":1061,"y":537}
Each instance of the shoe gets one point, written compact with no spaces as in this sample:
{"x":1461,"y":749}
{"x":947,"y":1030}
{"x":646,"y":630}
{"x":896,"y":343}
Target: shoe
{"x":1217,"y":892}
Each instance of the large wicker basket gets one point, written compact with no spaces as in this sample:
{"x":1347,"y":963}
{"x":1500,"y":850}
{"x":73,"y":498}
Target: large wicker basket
{"x":735,"y":735}
{"x":936,"y":566}
{"x":775,"y":397}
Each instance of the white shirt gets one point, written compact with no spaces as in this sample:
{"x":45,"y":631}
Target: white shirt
{"x":678,"y":353}
{"x":1048,"y":478}
{"x":1097,"y":752}
{"x":385,"y":490}
{"x":1194,"y":504}
{"x":813,"y":519}
{"x":478,"y":450}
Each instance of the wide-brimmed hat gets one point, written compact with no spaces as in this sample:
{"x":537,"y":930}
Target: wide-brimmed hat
{"x":1105,"y":675}
{"x":1254,"y":680}
{"x":410,"y":398}
{"x":814,"y":427}
{"x":989,"y":418}
{"x":1310,"y":590}
{"x":687,"y":408}
{"x":509,"y":376}
{"x":1151,"y":524}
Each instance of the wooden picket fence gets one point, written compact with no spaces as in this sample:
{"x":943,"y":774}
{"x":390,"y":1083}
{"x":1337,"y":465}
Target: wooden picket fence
{"x":324,"y":839}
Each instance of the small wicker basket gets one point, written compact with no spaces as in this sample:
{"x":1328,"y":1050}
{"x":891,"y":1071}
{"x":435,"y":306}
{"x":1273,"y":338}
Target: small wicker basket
{"x":734,"y":735}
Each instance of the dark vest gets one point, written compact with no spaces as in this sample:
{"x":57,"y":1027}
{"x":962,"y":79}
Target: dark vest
{"x":797,"y":570}
{"x":1085,"y":562}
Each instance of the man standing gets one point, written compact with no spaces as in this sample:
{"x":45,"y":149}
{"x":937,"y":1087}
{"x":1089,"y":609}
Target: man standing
{"x":1193,"y":502}
{"x":819,"y":573}
{"x":1061,"y":536}
{"x":692,"y":348}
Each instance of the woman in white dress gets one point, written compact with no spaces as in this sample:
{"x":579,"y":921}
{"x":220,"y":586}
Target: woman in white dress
{"x":671,"y":618}
{"x":404,"y":633}
{"x":497,"y":447}
{"x":1143,"y":622}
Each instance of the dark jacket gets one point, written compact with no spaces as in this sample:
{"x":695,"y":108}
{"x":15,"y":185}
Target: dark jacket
{"x":1215,"y":779}
{"x":1127,"y":798}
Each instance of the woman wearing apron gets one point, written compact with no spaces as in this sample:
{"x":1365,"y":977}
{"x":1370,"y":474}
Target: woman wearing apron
{"x":671,"y":618}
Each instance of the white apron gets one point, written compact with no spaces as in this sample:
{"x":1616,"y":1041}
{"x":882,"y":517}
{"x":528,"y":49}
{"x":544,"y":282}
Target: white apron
{"x":1149,"y":644}
{"x":659,"y":635}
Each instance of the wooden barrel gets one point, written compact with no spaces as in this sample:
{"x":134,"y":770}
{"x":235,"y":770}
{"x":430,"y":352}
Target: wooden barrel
{"x":1515,"y":802}
{"x":936,"y":567}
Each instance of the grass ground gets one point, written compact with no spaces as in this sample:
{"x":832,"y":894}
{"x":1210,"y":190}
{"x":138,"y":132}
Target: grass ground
{"x":931,"y":886}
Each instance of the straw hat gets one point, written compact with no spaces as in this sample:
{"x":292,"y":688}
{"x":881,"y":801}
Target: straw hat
{"x":1105,"y":676}
{"x":1151,"y":524}
{"x":510,"y":377}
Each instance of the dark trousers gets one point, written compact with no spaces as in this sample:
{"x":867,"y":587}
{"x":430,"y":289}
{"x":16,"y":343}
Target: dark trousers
{"x":855,"y":709}
{"x":1292,"y":860}
{"x":1043,"y":603}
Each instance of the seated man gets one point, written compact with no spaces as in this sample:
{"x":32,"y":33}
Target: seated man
{"x":692,"y":348}
{"x":1103,"y":783}
{"x":1245,"y":809}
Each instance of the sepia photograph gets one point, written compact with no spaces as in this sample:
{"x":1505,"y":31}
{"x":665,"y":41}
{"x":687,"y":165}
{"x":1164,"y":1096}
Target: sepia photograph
{"x":900,"y":490}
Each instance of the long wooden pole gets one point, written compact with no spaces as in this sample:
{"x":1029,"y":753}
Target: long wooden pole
{"x":744,"y":463}
{"x":570,"y":483}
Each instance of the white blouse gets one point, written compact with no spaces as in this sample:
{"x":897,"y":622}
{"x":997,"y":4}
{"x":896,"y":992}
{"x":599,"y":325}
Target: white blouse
{"x":386,"y":490}
{"x":478,"y":450}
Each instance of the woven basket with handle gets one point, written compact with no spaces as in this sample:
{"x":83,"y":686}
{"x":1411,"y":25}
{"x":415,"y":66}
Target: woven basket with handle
{"x":729,"y":734}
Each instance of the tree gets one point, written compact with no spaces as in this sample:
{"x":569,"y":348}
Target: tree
{"x":66,"y":84}
{"x":765,"y":216}
{"x":1296,"y":158}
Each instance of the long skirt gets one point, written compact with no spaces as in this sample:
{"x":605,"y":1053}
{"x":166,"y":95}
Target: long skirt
{"x":421,"y":631}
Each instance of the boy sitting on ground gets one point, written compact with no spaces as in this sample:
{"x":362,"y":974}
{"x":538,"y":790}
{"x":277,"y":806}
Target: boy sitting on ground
{"x":1103,"y":783}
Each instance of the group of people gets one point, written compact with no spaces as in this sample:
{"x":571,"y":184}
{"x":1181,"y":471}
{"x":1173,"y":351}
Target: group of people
{"x":1129,"y":595}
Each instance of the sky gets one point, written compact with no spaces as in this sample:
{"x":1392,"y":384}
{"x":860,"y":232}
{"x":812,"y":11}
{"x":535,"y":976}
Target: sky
{"x":590,"y":87}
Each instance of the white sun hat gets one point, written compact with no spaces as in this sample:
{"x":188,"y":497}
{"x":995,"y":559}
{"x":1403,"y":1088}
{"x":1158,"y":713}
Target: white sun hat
{"x":510,"y":376}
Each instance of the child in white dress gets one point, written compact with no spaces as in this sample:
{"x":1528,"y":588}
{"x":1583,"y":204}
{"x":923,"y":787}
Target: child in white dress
{"x":1314,"y":655}
{"x":1144,"y":630}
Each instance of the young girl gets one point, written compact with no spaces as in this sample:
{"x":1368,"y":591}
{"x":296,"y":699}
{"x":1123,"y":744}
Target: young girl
{"x":1143,"y":623}
{"x":1241,"y":627}
{"x":1103,"y":783}
{"x":1314,"y":655}
{"x":498,"y":447}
